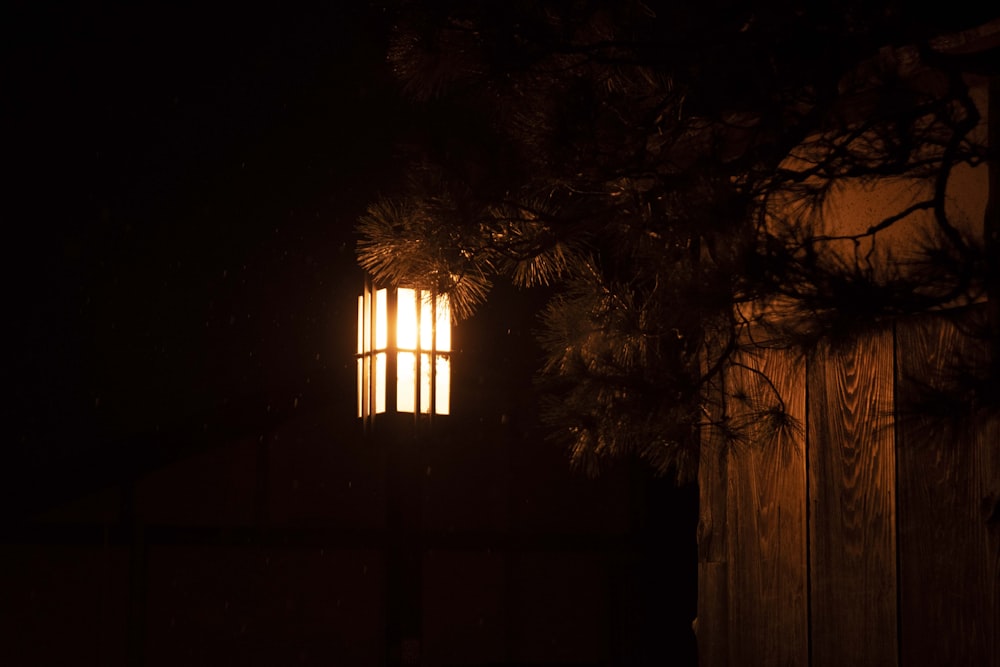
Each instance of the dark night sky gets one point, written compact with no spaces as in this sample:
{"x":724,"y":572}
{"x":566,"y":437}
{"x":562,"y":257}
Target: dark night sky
{"x":182,"y":187}
{"x":185,"y":184}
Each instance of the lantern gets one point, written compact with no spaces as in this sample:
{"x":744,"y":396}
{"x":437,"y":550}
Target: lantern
{"x":404,"y":346}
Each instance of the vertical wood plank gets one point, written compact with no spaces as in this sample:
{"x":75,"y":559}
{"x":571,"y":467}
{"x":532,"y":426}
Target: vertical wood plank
{"x":766,"y":513}
{"x":852,"y":504}
{"x":949,"y":534}
{"x":712,"y":623}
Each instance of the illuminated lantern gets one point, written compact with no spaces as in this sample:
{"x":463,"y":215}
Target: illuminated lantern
{"x":404,"y":352}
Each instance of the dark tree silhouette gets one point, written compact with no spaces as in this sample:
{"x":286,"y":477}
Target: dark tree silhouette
{"x":668,"y":170}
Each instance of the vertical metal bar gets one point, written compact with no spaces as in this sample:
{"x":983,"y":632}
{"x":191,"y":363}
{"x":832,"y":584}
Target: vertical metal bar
{"x":368,"y":357}
{"x":418,"y":369}
{"x":391,"y":350}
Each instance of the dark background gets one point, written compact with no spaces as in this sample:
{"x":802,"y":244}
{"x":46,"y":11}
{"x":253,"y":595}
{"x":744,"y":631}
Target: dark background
{"x":188,"y":182}
{"x":183,"y":469}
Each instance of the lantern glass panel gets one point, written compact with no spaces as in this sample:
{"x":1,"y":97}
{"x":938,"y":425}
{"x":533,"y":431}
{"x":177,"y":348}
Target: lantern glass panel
{"x":406,"y":319}
{"x":380,"y":382}
{"x":361,"y":387}
{"x":442,"y":332}
{"x":442,"y":382}
{"x":406,"y":385}
{"x":426,"y":323}
{"x":425,"y":383}
{"x":361,"y":324}
{"x":381,"y":319}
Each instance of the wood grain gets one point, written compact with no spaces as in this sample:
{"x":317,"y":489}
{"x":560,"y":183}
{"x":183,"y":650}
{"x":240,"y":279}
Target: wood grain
{"x":903,"y":523}
{"x":712,"y":626}
{"x":766,"y":513}
{"x":852,"y":504}
{"x":949,"y":476}
{"x":712,"y":475}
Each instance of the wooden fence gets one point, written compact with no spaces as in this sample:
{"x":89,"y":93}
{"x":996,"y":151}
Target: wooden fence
{"x":870,"y":535}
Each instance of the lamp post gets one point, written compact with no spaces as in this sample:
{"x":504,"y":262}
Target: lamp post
{"x":403,"y":368}
{"x":403,"y":358}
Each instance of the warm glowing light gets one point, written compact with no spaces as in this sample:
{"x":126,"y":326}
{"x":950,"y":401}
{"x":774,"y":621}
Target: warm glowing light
{"x":442,"y":326}
{"x":420,"y":351}
{"x":406,"y":319}
{"x":381,"y":319}
{"x":425,"y":383}
{"x":426,"y":324}
{"x":442,"y":397}
{"x":406,"y":372}
{"x":380,"y":382}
